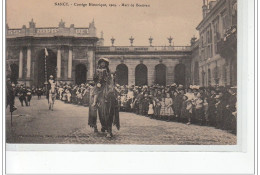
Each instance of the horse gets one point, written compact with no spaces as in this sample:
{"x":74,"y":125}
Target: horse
{"x":52,"y":97}
{"x":107,"y":108}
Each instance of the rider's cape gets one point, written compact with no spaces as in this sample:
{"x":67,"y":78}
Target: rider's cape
{"x":107,"y":107}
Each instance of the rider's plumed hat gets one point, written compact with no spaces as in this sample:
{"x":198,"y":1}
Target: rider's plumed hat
{"x":103,"y":60}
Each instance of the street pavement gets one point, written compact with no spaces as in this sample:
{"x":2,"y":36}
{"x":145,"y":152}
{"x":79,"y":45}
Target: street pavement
{"x":68,"y":123}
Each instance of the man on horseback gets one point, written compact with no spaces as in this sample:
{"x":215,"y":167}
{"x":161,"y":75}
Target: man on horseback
{"x":103,"y":99}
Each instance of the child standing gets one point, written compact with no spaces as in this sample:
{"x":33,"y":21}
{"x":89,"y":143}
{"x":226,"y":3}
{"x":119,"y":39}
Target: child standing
{"x":162,"y":111}
{"x":168,"y":106}
{"x":189,"y":111}
{"x":150,"y":110}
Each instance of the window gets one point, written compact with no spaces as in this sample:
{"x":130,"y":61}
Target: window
{"x":234,"y":13}
{"x":202,"y":54}
{"x":216,"y":34}
{"x":209,"y":77}
{"x":224,"y":22}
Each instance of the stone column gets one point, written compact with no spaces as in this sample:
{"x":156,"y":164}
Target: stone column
{"x":28,"y":73}
{"x":21,"y":64}
{"x":170,"y":75}
{"x":91,"y":60}
{"x":58,"y":63}
{"x":150,"y":74}
{"x":131,"y":75}
{"x":70,"y":63}
{"x":213,"y":39}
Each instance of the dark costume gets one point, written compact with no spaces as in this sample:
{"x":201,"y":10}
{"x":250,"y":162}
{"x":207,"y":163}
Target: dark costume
{"x":10,"y":96}
{"x":177,"y":105}
{"x":29,"y":96}
{"x":106,"y":101}
{"x":22,"y":96}
{"x":219,"y":114}
{"x":39,"y":93}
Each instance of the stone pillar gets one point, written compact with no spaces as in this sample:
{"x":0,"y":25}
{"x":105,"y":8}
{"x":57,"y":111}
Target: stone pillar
{"x":70,"y":63}
{"x":150,"y":74}
{"x":58,"y":63}
{"x":91,"y":68}
{"x":131,"y":75}
{"x":21,"y":64}
{"x":28,"y":71}
{"x":170,"y":75}
{"x":213,"y":39}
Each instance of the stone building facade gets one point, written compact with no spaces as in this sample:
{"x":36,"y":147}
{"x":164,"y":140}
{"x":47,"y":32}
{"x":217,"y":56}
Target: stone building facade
{"x":71,"y":54}
{"x":149,"y":65}
{"x":217,"y":43}
{"x":68,"y":52}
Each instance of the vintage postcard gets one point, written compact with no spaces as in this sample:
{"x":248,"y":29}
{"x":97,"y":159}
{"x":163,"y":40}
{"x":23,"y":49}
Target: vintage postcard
{"x":118,"y":76}
{"x":121,"y":72}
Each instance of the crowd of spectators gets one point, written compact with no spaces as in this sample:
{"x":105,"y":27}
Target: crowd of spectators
{"x":211,"y":106}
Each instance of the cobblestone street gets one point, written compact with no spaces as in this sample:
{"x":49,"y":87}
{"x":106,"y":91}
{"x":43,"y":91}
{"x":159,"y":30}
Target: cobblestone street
{"x":68,"y":124}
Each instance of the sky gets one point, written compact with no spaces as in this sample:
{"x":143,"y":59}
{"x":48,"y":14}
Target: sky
{"x":164,"y":18}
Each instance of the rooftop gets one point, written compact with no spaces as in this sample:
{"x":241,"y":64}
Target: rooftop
{"x":60,"y":30}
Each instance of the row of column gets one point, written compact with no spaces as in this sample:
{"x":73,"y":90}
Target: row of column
{"x":59,"y":63}
{"x":28,"y":65}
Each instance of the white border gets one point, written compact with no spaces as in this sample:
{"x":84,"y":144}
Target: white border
{"x":161,"y":162}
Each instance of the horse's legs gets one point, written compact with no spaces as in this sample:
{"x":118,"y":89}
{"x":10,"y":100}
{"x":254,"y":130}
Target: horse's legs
{"x":95,"y":129}
{"x":109,"y":129}
{"x":109,"y":132}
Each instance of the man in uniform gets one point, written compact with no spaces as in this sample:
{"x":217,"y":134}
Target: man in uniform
{"x":22,"y":95}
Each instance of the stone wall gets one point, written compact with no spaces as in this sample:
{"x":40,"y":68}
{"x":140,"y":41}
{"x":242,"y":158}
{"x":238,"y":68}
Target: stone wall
{"x":150,"y":61}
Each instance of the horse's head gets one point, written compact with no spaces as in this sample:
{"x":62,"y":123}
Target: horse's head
{"x":111,"y":83}
{"x":113,"y":77}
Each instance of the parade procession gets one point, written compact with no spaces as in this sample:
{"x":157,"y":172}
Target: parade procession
{"x":65,"y":84}
{"x":211,"y":106}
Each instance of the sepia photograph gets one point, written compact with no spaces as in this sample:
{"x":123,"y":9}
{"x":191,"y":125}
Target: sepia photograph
{"x":126,"y":72}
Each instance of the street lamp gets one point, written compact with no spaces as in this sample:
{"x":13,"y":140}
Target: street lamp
{"x":45,"y":72}
{"x":150,"y":40}
{"x":113,"y":40}
{"x":131,"y":40}
{"x":56,"y":72}
{"x":170,"y":40}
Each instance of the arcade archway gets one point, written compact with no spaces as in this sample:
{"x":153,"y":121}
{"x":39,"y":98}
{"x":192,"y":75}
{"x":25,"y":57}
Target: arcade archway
{"x":51,"y":64}
{"x":179,"y":73}
{"x":122,"y":74}
{"x":140,"y":75}
{"x":160,"y":74}
{"x":81,"y":74}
